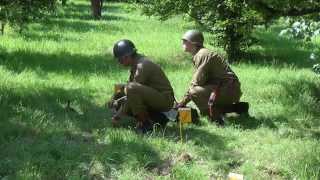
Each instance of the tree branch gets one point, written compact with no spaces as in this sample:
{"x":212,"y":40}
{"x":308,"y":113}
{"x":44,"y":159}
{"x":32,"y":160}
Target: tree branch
{"x":273,"y":12}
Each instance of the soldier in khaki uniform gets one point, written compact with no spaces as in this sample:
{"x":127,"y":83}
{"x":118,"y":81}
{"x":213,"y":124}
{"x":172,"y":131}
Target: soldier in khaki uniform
{"x":214,"y":88}
{"x":148,"y":88}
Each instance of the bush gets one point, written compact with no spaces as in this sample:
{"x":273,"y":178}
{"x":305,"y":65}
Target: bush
{"x":302,"y":29}
{"x":20,"y":12}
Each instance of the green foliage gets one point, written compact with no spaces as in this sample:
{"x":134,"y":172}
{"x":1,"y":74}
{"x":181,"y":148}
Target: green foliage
{"x":20,"y":12}
{"x":232,"y":21}
{"x":301,"y":28}
{"x":316,"y":68}
{"x":70,"y":58}
{"x":273,"y":9}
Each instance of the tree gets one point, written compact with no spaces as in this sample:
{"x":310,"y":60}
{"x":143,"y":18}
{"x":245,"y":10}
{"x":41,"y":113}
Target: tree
{"x":274,"y":8}
{"x":231,"y":21}
{"x":96,"y":6}
{"x":20,"y":12}
{"x":63,"y":2}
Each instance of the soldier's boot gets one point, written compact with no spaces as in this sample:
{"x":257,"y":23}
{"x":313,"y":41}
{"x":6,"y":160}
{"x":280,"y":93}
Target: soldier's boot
{"x":242,"y":108}
{"x":159,"y":118}
{"x":216,"y":115}
{"x":239,"y":108}
{"x":144,"y":123}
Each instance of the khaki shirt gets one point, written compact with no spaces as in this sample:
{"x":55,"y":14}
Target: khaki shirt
{"x":210,"y":69}
{"x":150,"y":74}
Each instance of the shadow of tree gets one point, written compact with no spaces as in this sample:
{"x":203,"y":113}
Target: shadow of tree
{"x":250,"y":122}
{"x":272,"y":49}
{"x":301,"y":98}
{"x":74,"y":18}
{"x":83,"y":12}
{"x":66,"y":62}
{"x":27,"y":152}
{"x":47,"y":107}
{"x":38,"y":138}
{"x":304,"y":96}
{"x":78,"y":26}
{"x":60,"y":62}
{"x":213,"y":146}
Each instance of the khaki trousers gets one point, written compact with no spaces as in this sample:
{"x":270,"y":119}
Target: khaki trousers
{"x":141,"y":98}
{"x":228,"y":93}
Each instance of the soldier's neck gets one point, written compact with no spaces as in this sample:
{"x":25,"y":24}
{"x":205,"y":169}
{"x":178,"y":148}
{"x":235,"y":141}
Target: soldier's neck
{"x":134,"y":61}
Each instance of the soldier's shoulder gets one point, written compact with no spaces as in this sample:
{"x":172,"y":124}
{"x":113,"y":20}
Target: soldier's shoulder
{"x":146,"y":62}
{"x":203,"y":55}
{"x":203,"y":51}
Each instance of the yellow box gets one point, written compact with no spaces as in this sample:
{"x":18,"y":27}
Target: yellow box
{"x":118,"y":88}
{"x":185,"y":115}
{"x":235,"y":176}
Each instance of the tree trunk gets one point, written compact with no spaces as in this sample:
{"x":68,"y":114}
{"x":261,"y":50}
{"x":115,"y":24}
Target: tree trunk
{"x":233,"y":44}
{"x":2,"y":24}
{"x":63,"y":2}
{"x":96,"y":6}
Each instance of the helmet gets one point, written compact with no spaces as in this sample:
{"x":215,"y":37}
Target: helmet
{"x":194,"y":36}
{"x":123,"y":47}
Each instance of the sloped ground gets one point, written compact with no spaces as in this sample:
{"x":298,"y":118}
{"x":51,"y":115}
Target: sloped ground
{"x":68,"y":58}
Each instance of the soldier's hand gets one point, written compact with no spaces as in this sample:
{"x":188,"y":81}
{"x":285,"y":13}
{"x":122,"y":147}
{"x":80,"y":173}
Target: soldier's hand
{"x":212,"y":98}
{"x":179,"y":105}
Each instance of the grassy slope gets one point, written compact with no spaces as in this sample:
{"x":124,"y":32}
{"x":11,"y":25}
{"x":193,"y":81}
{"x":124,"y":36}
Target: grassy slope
{"x":69,"y":58}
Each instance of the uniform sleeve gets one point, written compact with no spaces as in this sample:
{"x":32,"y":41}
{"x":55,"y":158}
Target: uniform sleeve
{"x":141,"y":74}
{"x":200,"y":75}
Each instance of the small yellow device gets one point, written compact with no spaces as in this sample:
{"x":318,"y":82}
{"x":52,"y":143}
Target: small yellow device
{"x":235,"y":176}
{"x":185,"y":115}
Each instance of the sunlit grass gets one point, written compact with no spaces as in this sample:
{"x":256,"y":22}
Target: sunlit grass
{"x":68,"y":57}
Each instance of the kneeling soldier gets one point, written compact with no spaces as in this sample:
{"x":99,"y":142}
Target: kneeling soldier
{"x":148,"y":89}
{"x":214,"y":88}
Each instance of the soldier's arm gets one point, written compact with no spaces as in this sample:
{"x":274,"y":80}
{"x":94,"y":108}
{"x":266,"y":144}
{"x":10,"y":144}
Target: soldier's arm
{"x":141,"y":74}
{"x":199,"y":78}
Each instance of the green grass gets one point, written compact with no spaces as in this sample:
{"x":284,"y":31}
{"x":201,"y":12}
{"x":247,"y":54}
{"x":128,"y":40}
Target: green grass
{"x":68,"y":57}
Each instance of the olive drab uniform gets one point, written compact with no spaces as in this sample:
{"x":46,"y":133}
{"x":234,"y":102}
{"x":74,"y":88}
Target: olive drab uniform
{"x":148,"y":88}
{"x":211,"y":73}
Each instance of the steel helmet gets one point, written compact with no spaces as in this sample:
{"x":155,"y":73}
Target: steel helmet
{"x":194,"y":36}
{"x":123,"y":48}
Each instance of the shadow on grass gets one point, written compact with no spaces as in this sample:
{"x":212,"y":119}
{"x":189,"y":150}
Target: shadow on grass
{"x":212,"y":146}
{"x":301,"y":100}
{"x":250,"y":122}
{"x":304,"y":96}
{"x":47,"y":107}
{"x":60,"y":29}
{"x":272,"y":49}
{"x":75,"y":18}
{"x":78,"y":26}
{"x":27,"y":152}
{"x":39,"y":137}
{"x":83,"y":12}
{"x":209,"y":145}
{"x":61,"y":62}
{"x":65,"y":62}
